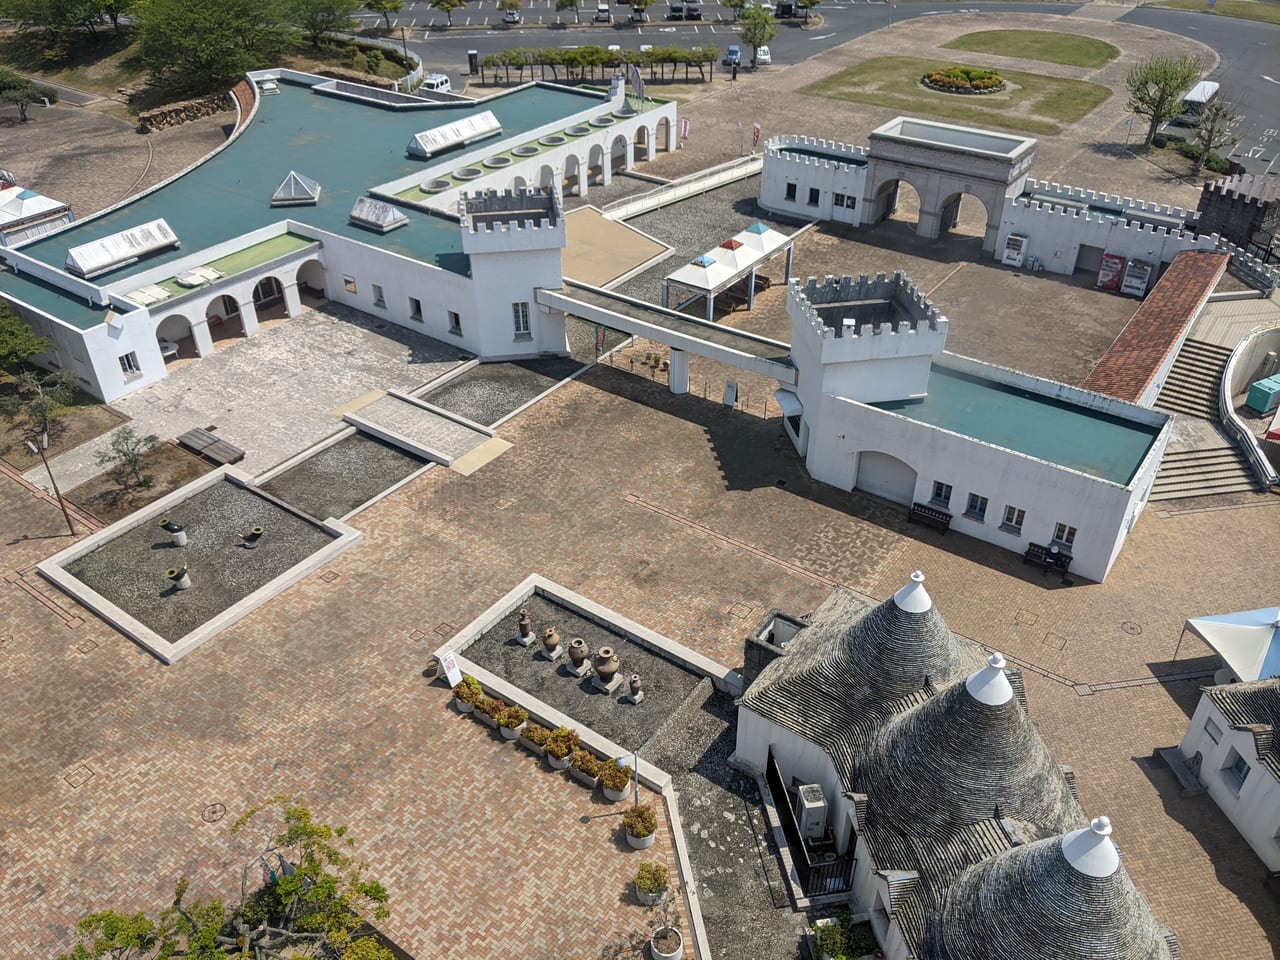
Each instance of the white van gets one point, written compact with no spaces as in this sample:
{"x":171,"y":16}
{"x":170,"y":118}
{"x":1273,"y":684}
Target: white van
{"x":436,"y":83}
{"x":1197,"y":98}
{"x":604,"y":14}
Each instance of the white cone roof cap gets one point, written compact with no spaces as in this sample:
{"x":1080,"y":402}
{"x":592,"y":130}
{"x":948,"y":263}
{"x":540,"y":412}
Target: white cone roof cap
{"x":914,"y":598}
{"x":1091,"y":851}
{"x":990,"y":685}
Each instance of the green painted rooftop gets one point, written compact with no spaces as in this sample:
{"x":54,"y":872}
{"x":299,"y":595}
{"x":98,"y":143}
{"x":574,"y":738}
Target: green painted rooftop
{"x":347,"y":145}
{"x":1058,"y":431}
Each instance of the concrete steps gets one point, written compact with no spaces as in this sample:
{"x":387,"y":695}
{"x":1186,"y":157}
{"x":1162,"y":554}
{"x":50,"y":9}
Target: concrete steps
{"x":1192,"y":385}
{"x":1202,"y":473}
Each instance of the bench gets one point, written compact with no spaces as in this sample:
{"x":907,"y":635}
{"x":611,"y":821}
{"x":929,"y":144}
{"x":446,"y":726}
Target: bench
{"x":930,"y":517}
{"x":205,"y":444}
{"x":1046,"y":559}
{"x":1187,"y":780}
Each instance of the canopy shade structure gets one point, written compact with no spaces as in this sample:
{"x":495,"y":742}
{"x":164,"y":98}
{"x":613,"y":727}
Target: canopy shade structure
{"x":377,"y":215}
{"x":1248,"y":641}
{"x":99,"y":256}
{"x":296,"y":191}
{"x":468,"y":130}
{"x":733,"y":259}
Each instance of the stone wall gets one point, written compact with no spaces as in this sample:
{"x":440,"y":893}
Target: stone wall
{"x":174,"y":114}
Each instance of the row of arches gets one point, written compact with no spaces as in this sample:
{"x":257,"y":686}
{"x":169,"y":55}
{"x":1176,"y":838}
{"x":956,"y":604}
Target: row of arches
{"x":963,"y":214}
{"x":600,"y":164}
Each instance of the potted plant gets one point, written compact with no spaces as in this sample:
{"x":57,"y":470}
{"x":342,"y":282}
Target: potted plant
{"x":640,"y":824}
{"x":616,"y":780}
{"x":667,"y":943}
{"x":467,"y":693}
{"x":511,"y":721}
{"x":560,"y":747}
{"x":534,"y":738}
{"x":839,"y":938}
{"x":489,"y":709}
{"x":651,"y":883}
{"x":584,"y":766}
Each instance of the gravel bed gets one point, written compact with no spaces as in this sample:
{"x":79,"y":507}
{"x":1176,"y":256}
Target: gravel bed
{"x":666,"y":684}
{"x":619,"y":188}
{"x":745,"y":904}
{"x":337,"y":479}
{"x":695,"y":226}
{"x":129,"y":569}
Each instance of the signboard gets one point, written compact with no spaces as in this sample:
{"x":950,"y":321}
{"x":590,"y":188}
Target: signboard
{"x":449,"y":664}
{"x":1111,"y":271}
{"x":730,"y":393}
{"x":755,"y":135}
{"x":684,"y":128}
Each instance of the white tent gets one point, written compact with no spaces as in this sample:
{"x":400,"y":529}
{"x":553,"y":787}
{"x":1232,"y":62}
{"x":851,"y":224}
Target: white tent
{"x":1248,"y":642}
{"x":735,"y":258}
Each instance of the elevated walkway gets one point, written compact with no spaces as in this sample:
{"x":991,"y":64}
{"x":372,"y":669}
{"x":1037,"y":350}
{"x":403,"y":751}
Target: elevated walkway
{"x":683,"y":334}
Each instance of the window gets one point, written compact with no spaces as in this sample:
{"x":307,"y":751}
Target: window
{"x":520,"y":313}
{"x":1235,"y":771}
{"x":378,"y":299}
{"x":455,"y":324}
{"x":794,"y":423}
{"x":1212,"y":730}
{"x":814,"y":194}
{"x":844,"y":200}
{"x":1013,"y":518}
{"x":977,"y":508}
{"x":941,"y":492}
{"x":1063,"y":534}
{"x":129,"y":366}
{"x":349,"y":284}
{"x":837,"y":199}
{"x":791,"y":191}
{"x":415,"y":309}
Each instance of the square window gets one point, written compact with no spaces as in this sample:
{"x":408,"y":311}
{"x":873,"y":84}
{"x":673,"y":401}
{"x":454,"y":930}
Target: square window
{"x":791,"y":191}
{"x":378,"y":299}
{"x":455,"y":324}
{"x":1212,"y":730}
{"x":1235,"y":771}
{"x":520,"y":314}
{"x":129,"y":366}
{"x":977,"y":507}
{"x":851,"y":202}
{"x":1013,"y":518}
{"x":814,"y":195}
{"x":837,"y":199}
{"x":941,"y":493}
{"x":1063,"y":534}
{"x":349,"y":284}
{"x":415,"y":309}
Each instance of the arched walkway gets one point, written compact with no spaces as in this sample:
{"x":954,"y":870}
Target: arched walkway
{"x":176,"y":340}
{"x":965,"y":214}
{"x":268,"y":299}
{"x":643,"y":142}
{"x":618,"y":155}
{"x":223,"y":315}
{"x":885,"y":476}
{"x":595,"y":165}
{"x":892,"y":202}
{"x":572,"y":174}
{"x":310,"y":280}
{"x":547,"y":175}
{"x":662,"y":135}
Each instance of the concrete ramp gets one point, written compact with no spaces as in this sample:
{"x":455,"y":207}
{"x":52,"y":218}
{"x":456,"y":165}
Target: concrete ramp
{"x":736,"y":348}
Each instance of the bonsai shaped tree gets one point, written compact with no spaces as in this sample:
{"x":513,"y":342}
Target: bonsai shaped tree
{"x":640,"y":821}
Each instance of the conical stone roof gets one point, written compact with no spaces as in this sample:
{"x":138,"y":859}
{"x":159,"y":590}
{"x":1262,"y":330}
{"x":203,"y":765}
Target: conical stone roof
{"x":1060,"y":898}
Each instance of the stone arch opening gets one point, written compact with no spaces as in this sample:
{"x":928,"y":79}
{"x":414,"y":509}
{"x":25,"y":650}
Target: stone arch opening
{"x":310,"y":280}
{"x":891,"y":202}
{"x":268,"y":299}
{"x":175,"y":337}
{"x":964,"y":214}
{"x":884,"y":475}
{"x":547,"y":176}
{"x":595,"y":165}
{"x":642,"y":141}
{"x":618,"y":155}
{"x":225,"y":322}
{"x":662,"y":135}
{"x":572,"y":175}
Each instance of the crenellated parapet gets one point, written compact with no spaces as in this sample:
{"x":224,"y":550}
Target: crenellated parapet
{"x":793,"y":148}
{"x":1101,"y":204}
{"x":510,"y":220}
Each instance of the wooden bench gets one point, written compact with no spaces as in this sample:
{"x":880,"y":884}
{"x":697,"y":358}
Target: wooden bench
{"x":1043,"y":557}
{"x":930,"y":517}
{"x":205,"y":444}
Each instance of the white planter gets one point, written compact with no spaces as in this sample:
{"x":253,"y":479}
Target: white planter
{"x":650,"y":899}
{"x":488,"y":720}
{"x":641,"y":843}
{"x":510,"y":733}
{"x":556,"y":762}
{"x":463,"y":706}
{"x":675,"y":954}
{"x":617,"y":796}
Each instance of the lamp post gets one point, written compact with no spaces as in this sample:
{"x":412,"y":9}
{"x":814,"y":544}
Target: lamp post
{"x":1128,"y":132}
{"x":56,"y":492}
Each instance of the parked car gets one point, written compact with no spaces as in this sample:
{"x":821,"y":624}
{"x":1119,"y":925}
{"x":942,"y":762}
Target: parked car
{"x":733,"y":56}
{"x":693,"y":12}
{"x":763,"y":56}
{"x":511,"y":16}
{"x":675,"y":11}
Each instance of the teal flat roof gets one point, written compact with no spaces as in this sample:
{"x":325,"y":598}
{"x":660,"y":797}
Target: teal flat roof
{"x":347,"y":145}
{"x":1059,"y":431}
{"x":55,"y":301}
{"x":853,"y":161}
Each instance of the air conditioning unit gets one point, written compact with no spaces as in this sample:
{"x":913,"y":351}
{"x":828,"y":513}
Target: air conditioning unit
{"x":811,"y":811}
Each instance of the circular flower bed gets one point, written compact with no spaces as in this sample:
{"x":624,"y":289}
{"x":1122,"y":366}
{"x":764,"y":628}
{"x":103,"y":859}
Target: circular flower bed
{"x":602,"y":122}
{"x":525,"y":151}
{"x":964,"y":80}
{"x":437,"y":186}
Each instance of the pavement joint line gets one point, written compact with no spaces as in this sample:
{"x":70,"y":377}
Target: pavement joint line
{"x":951,"y":273}
{"x":732,"y":541}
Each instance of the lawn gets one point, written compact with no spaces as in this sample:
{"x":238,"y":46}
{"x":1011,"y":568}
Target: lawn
{"x":1031,"y":104}
{"x":1045,"y":45}
{"x":1243,"y":9}
{"x":169,"y":467}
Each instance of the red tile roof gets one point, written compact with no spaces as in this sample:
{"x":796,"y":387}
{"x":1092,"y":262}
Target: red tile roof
{"x":1159,"y":326}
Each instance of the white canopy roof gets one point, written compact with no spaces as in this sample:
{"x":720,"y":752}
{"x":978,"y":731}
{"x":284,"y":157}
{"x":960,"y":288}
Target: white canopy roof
{"x":734,"y":258}
{"x":1249,"y":641}
{"x":466,"y":130}
{"x":18,"y":203}
{"x":98,"y":256}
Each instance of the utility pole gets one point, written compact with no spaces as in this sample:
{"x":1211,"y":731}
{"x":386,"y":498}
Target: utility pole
{"x":53,"y":483}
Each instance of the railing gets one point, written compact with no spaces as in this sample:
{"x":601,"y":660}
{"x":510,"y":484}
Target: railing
{"x":817,"y":879}
{"x":1243,"y":437}
{"x":410,"y":80}
{"x":685,"y":187}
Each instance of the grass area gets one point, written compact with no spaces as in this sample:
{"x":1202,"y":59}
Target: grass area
{"x":1048,"y":46}
{"x":80,"y":421}
{"x":1241,"y":9}
{"x":246,"y":259}
{"x":169,"y":467}
{"x":1032,"y":103}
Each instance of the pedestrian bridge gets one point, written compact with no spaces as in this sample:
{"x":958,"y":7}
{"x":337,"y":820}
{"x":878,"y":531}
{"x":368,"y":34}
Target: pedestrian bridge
{"x":683,"y":334}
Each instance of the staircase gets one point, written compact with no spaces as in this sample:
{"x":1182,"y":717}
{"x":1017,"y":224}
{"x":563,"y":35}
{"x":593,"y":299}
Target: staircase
{"x":1192,"y":385}
{"x":1191,"y":390}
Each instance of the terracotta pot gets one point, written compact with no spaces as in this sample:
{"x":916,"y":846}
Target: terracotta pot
{"x":551,"y":639}
{"x":578,"y":651}
{"x":526,"y":624}
{"x":606,"y":664}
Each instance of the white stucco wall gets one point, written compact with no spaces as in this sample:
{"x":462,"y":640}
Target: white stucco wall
{"x":1254,"y":809}
{"x":845,"y":173}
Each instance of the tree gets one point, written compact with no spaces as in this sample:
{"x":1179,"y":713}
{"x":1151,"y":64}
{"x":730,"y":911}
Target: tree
{"x":317,"y":17}
{"x":36,"y":403}
{"x":124,"y":457}
{"x":1213,"y":129}
{"x":22,"y":92}
{"x":18,"y":342}
{"x":506,"y":5}
{"x":563,"y":5}
{"x":114,"y":9}
{"x":640,"y":6}
{"x":58,"y":17}
{"x":1156,"y":86}
{"x":757,"y":28}
{"x":386,"y":8}
{"x":448,"y":6}
{"x":208,"y":46}
{"x":735,"y":5}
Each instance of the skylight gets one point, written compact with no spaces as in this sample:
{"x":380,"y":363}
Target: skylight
{"x":377,"y":215}
{"x":108,"y":253}
{"x":296,"y":191}
{"x":467,"y":130}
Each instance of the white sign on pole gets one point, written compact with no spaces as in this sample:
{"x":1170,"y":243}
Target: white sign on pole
{"x":449,"y":664}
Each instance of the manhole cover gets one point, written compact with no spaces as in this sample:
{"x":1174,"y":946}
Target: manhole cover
{"x":213,"y":812}
{"x":1131,"y":628}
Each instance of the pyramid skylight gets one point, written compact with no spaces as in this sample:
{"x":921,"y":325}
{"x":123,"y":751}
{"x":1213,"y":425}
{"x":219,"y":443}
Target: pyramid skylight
{"x":296,"y":191}
{"x":377,"y":215}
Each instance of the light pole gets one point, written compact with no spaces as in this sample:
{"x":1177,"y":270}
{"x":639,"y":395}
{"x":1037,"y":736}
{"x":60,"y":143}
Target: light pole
{"x":56,"y":492}
{"x":1128,"y":132}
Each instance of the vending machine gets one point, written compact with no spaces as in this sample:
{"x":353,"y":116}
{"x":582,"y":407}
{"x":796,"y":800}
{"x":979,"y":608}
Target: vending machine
{"x":1136,"y":277}
{"x":1015,"y":250}
{"x":1111,"y":272}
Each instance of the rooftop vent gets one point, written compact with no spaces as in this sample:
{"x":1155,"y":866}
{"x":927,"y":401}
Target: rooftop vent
{"x":376,"y":215}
